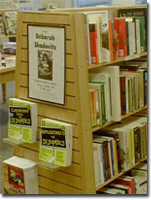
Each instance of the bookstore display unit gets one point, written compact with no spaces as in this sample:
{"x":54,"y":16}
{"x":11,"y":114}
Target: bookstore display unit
{"x":79,"y":178}
{"x":6,"y":74}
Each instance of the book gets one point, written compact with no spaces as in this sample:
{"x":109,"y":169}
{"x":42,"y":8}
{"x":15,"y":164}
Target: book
{"x":121,"y":24}
{"x":10,"y":22}
{"x":114,"y":86}
{"x":104,"y":78}
{"x":104,"y":35}
{"x":126,"y":181}
{"x":96,"y":166}
{"x":94,"y":43}
{"x":56,"y":142}
{"x":22,"y":123}
{"x":20,"y":176}
{"x":107,"y":190}
{"x":123,"y":94}
{"x":126,"y":188}
{"x":2,"y":33}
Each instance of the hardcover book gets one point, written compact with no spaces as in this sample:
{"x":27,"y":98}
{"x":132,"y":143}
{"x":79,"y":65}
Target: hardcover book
{"x":22,"y":123}
{"x":56,"y":142}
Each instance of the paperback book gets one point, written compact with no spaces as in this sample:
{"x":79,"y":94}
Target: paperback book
{"x":56,"y":142}
{"x":22,"y":124}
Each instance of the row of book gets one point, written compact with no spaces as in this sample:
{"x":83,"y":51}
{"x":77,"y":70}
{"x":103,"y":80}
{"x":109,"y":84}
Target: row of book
{"x":109,"y":37}
{"x":118,"y":147}
{"x":135,"y":182}
{"x":8,"y":23}
{"x":117,"y":90}
{"x":55,"y":136}
{"x":133,"y":86}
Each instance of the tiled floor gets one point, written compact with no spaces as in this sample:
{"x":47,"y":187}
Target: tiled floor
{"x":6,"y":151}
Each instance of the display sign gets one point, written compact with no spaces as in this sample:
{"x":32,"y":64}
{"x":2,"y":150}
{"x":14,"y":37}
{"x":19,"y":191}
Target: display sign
{"x":47,"y":63}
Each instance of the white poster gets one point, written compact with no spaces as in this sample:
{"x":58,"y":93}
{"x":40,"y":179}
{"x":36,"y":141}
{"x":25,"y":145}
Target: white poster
{"x":47,"y":63}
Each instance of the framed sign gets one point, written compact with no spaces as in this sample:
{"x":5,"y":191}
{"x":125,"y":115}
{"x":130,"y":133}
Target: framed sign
{"x":47,"y":63}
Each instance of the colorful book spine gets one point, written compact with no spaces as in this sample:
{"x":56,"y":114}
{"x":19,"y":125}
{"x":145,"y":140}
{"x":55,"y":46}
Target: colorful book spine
{"x":116,"y":27}
{"x":122,"y":37}
{"x":94,"y":43}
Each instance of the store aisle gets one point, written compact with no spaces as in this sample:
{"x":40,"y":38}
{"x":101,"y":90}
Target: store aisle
{"x":6,"y":151}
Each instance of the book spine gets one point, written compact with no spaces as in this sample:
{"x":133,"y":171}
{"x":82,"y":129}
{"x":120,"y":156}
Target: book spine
{"x":122,"y":38}
{"x":88,"y":41}
{"x":111,"y":40}
{"x":145,"y":88}
{"x":127,"y":96}
{"x":91,"y":106}
{"x":138,"y":41}
{"x":133,"y":147}
{"x":123,"y":95}
{"x":105,"y":161}
{"x":127,"y":38}
{"x":116,"y":27}
{"x":139,"y":143}
{"x":94,"y":108}
{"x":103,"y":164}
{"x":108,"y":161}
{"x":143,"y":142}
{"x":112,"y":158}
{"x":143,"y":33}
{"x":103,"y":107}
{"x":93,"y":43}
{"x":136,"y":144}
{"x":97,"y":107}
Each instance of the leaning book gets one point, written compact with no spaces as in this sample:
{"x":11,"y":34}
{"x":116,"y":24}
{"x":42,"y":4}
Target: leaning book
{"x":22,"y":123}
{"x":56,"y":142}
{"x":20,"y":176}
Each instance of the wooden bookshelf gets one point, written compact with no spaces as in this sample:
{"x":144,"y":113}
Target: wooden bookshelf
{"x":122,"y":117}
{"x":120,"y":60}
{"x":120,"y":174}
{"x":79,"y":177}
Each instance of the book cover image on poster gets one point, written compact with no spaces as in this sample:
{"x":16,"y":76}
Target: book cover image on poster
{"x":47,"y":63}
{"x":22,"y":124}
{"x":56,"y":142}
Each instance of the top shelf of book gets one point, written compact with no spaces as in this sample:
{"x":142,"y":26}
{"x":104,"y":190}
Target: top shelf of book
{"x":127,"y":58}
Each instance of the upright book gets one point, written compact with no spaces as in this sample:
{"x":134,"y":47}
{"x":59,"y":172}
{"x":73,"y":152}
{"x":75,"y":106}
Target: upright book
{"x":10,"y":22}
{"x":22,"y":124}
{"x":56,"y":142}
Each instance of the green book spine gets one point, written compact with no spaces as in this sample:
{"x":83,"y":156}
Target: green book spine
{"x":143,"y":33}
{"x":143,"y":144}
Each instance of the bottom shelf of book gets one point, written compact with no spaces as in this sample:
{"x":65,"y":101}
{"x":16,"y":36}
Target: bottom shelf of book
{"x":120,"y":174}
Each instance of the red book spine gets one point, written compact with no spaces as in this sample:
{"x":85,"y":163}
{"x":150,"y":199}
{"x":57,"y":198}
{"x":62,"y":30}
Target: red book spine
{"x":94,"y":43}
{"x":116,"y":34}
{"x":123,"y":95}
{"x":122,"y":38}
{"x":111,"y":40}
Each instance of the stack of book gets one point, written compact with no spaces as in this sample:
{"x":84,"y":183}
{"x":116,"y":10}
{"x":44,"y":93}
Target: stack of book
{"x":133,"y":183}
{"x":119,"y":147}
{"x":8,"y":23}
{"x":110,"y":38}
{"x":133,"y":82}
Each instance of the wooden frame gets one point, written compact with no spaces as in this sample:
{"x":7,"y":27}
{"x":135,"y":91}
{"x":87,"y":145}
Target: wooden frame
{"x":79,"y":177}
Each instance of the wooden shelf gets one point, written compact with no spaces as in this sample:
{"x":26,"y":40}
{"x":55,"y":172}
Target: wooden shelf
{"x":6,"y":69}
{"x":135,"y":56}
{"x":122,"y":117}
{"x":7,"y":36}
{"x":120,"y":174}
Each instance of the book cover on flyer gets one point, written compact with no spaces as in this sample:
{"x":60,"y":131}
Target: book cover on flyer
{"x":47,"y":63}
